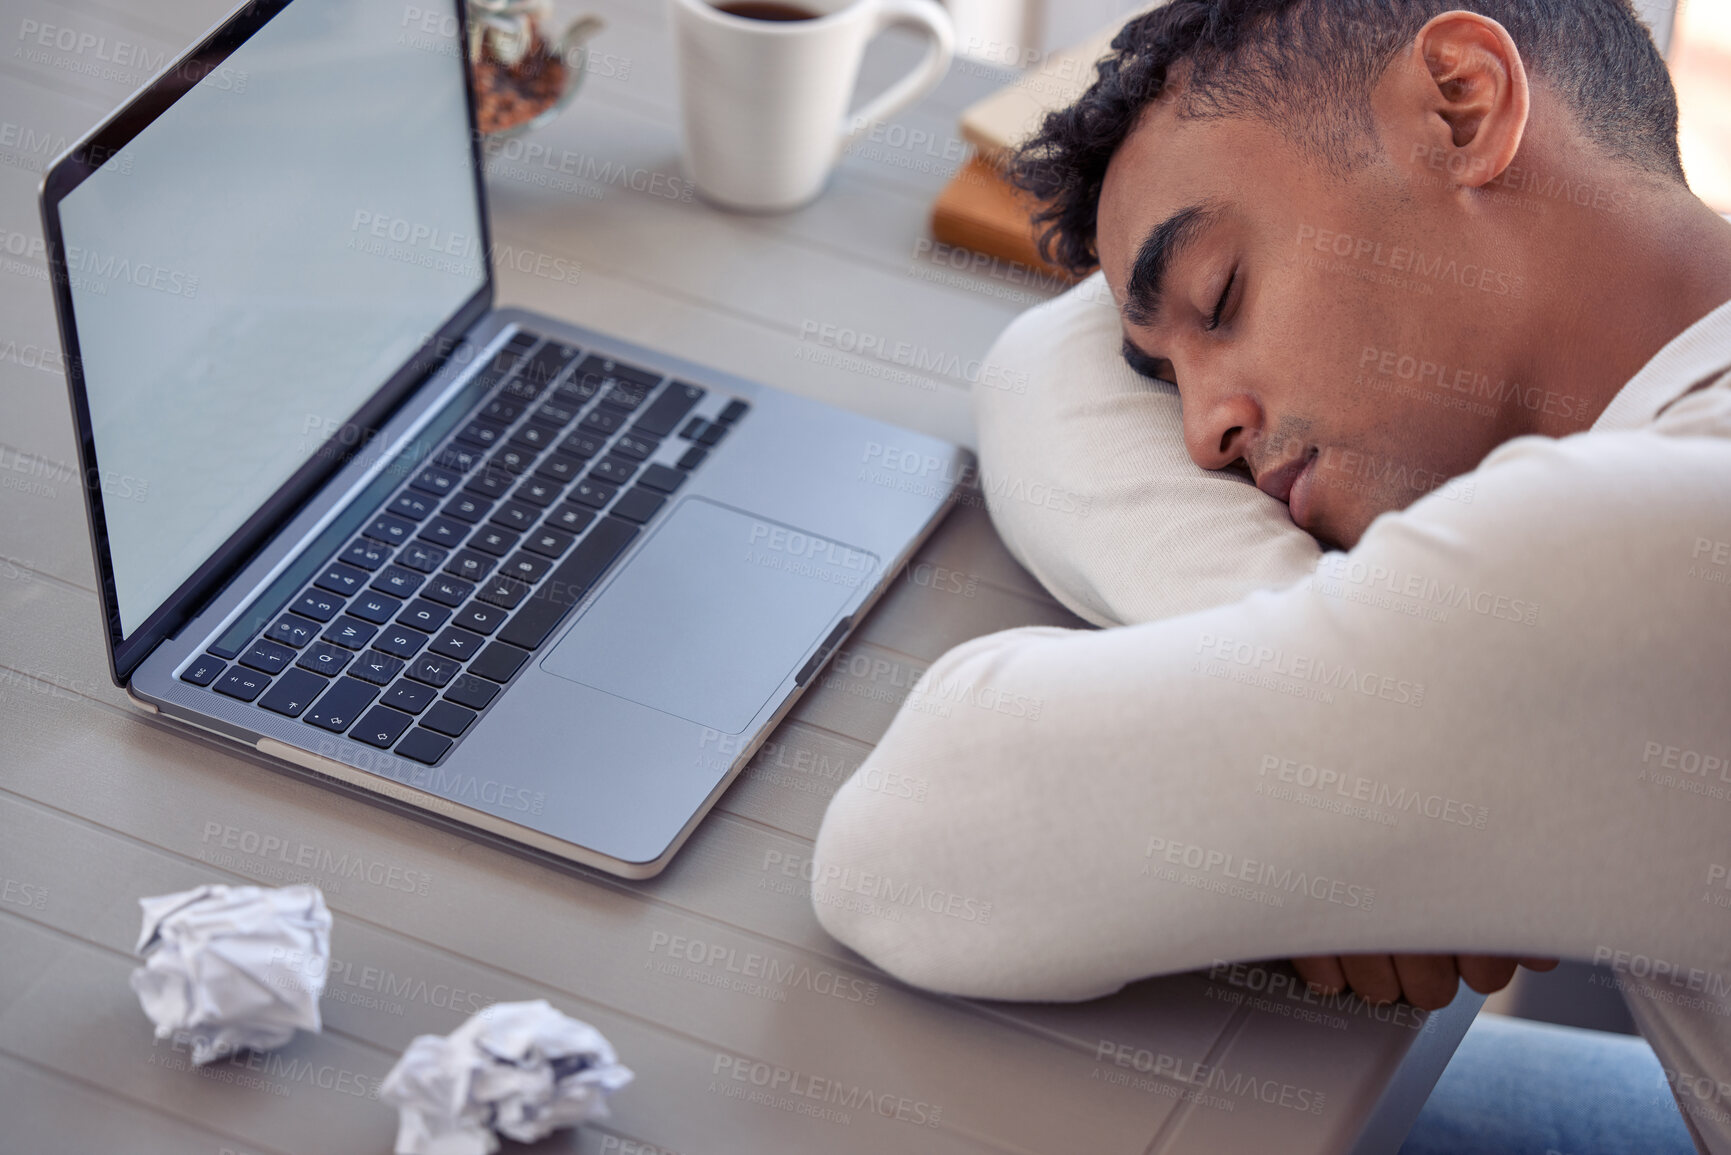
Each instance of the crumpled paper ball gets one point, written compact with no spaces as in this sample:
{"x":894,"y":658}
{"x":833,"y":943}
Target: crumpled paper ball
{"x":236,"y":967}
{"x":514,"y":1069}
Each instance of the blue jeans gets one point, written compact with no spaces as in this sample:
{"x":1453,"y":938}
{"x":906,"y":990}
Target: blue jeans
{"x":1523,"y":1088}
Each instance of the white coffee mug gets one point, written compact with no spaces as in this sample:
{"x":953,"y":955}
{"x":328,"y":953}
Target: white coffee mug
{"x":765,"y":101}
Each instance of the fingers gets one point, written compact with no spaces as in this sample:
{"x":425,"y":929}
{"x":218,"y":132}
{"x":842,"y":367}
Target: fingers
{"x":1486,"y":973}
{"x":1540,"y":964}
{"x":1429,"y":981}
{"x":1372,"y":976}
{"x":1321,"y":972}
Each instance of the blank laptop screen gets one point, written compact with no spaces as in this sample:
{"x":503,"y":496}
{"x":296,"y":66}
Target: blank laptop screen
{"x":258,"y":261}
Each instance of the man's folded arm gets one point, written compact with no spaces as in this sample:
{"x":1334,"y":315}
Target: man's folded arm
{"x":1423,"y":749}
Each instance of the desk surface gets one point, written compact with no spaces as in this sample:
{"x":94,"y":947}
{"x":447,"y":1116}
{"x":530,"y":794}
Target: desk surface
{"x":719,"y":963}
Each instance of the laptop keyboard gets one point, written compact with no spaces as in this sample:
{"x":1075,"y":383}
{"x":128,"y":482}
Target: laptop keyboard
{"x":409,"y":631}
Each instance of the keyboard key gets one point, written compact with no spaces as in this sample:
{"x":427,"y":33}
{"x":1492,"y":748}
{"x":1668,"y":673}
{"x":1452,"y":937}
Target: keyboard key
{"x":521,"y":342}
{"x":445,"y":532}
{"x":421,"y":557}
{"x":710,"y":434}
{"x":625,"y":395}
{"x":350,"y":633}
{"x":635,"y":447}
{"x":502,"y":410}
{"x":400,"y":641}
{"x":459,"y":645}
{"x":548,"y":362}
{"x":449,"y":718}
{"x":537,"y":491}
{"x":498,"y":662}
{"x":375,"y":607}
{"x":661,"y":479}
{"x":413,"y":505}
{"x":602,"y":421}
{"x":424,"y":615}
{"x":569,"y":582}
{"x":522,"y":389}
{"x":324,"y":658}
{"x":692,"y":428}
{"x":599,"y":369}
{"x":433,"y":670}
{"x":447,"y":591}
{"x":375,"y":667}
{"x":479,"y":617}
{"x":571,"y":518}
{"x":459,"y":459}
{"x":548,"y":543}
{"x":555,"y":414}
{"x":293,"y":693}
{"x":369,"y":555}
{"x":469,"y":565}
{"x":493,"y":540}
{"x":293,"y":631}
{"x":202,"y":671}
{"x":526,"y":567}
{"x":639,"y":504}
{"x":435,"y":481}
{"x":582,"y":445}
{"x":381,"y":727}
{"x":342,"y":579}
{"x":467,"y":508}
{"x":268,"y":656}
{"x":614,"y":470}
{"x":592,"y":493}
{"x":491,"y":484}
{"x":514,"y":517}
{"x":398,"y":582}
{"x":409,"y":697}
{"x":424,"y":745}
{"x":503,"y":591}
{"x":390,"y":529}
{"x":481,"y":434}
{"x":665,"y":411}
{"x":513,"y":460}
{"x":472,"y":692}
{"x":733,"y":411}
{"x":693,"y":457}
{"x":242,"y":683}
{"x":560,"y":469}
{"x":318,"y":605}
{"x":534,"y":439}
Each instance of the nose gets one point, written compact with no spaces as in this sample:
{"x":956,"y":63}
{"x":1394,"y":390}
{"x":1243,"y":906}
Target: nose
{"x":1219,"y":424}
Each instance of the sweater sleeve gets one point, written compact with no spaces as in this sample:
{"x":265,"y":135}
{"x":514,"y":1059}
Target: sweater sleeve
{"x":1486,"y":728}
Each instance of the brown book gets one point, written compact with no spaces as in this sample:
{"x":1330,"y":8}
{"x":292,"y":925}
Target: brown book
{"x":982,"y":211}
{"x":979,"y":209}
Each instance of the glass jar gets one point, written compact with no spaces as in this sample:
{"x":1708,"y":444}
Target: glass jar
{"x":523,"y":76}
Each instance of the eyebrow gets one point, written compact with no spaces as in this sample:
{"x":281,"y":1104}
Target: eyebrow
{"x":1160,"y":248}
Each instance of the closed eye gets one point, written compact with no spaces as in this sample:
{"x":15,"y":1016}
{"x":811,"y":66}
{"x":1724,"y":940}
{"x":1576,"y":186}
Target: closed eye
{"x":1220,"y":305}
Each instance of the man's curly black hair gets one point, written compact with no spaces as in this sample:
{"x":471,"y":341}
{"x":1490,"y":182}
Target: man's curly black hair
{"x":1308,"y":67}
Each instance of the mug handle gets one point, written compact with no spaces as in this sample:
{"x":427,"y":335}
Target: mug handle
{"x":931,"y":68}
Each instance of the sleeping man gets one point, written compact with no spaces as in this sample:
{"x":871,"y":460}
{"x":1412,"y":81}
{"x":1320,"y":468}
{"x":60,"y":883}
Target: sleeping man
{"x":1450,"y":684}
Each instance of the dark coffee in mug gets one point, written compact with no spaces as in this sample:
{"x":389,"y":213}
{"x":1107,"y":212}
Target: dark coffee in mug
{"x":756,"y":11}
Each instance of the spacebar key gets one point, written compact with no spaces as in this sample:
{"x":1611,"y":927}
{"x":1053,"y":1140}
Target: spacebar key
{"x":566,"y":585}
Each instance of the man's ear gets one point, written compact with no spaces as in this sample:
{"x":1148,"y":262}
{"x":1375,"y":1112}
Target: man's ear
{"x":1459,"y":95}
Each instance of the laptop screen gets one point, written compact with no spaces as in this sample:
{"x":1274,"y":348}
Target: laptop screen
{"x":251,"y":267}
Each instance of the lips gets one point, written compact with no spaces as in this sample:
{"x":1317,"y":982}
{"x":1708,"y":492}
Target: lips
{"x":1291,"y":483}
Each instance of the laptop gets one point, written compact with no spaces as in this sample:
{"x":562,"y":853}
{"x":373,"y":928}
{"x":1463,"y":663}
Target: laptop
{"x":508,"y":573}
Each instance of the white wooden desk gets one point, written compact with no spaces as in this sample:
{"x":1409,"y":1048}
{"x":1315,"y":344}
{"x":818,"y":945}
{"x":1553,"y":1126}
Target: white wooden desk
{"x":718,"y":966}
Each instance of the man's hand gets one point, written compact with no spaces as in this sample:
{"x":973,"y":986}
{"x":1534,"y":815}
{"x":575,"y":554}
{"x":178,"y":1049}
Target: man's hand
{"x":1428,"y":981}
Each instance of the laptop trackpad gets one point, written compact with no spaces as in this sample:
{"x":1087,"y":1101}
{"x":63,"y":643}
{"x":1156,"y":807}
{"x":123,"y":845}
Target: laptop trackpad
{"x":712,"y":615}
